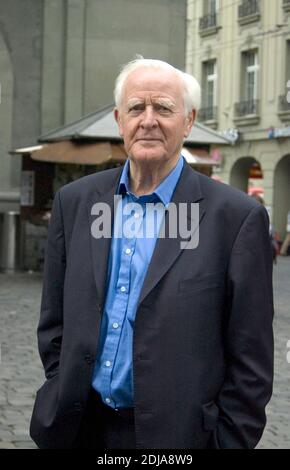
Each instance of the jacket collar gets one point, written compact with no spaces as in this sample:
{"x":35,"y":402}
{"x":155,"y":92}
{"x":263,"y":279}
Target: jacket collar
{"x":188,"y":190}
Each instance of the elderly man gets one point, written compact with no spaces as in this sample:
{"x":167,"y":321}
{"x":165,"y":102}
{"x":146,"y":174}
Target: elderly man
{"x":147,"y":342}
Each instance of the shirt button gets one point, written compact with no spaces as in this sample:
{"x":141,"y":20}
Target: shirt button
{"x":123,"y":289}
{"x":108,"y":400}
{"x":108,"y":363}
{"x":128,"y":251}
{"x":115,"y":325}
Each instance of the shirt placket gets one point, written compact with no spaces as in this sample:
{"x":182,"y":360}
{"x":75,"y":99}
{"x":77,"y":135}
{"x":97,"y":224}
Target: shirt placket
{"x":120,"y":305}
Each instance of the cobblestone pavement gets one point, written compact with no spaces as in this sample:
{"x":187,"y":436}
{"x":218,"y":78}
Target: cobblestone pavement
{"x":21,"y":372}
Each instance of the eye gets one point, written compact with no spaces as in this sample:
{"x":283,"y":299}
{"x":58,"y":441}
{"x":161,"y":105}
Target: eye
{"x":163,"y":109}
{"x":137,"y":108}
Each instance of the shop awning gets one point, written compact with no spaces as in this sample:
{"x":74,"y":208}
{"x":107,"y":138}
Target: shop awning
{"x":198,"y":157}
{"x":80,"y":153}
{"x":101,"y":125}
{"x":95,"y":140}
{"x":26,"y":150}
{"x":72,"y":152}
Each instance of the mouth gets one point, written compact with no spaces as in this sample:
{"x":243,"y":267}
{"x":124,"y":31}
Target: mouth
{"x":147,"y":139}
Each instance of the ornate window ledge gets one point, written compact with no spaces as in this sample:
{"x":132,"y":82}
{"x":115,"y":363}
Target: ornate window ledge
{"x":284,"y":109}
{"x":247,"y":113}
{"x":208,"y":116}
{"x":208,"y":25}
{"x":249,"y":12}
{"x":286,"y":5}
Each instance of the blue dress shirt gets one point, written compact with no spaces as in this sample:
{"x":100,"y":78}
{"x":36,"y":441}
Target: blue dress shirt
{"x":134,"y":238}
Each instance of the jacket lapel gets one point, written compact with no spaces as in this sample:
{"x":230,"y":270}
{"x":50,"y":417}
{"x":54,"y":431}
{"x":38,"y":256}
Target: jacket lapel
{"x":168,"y":249}
{"x":100,"y":247}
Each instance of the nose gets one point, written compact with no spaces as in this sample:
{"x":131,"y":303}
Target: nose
{"x":149,"y":118}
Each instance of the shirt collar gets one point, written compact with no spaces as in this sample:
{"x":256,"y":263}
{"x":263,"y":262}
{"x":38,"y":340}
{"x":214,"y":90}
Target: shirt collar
{"x":164,"y":190}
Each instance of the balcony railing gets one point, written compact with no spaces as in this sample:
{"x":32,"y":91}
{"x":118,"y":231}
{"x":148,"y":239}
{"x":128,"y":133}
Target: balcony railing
{"x":208,"y":114}
{"x":249,"y":11}
{"x":247,"y":108}
{"x":284,"y":105}
{"x":286,"y":5}
{"x":249,"y":7}
{"x":284,"y":108}
{"x":208,"y":24}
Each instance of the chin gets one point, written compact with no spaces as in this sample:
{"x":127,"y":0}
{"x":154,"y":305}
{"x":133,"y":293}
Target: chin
{"x":147,"y":156}
{"x":142,"y":154}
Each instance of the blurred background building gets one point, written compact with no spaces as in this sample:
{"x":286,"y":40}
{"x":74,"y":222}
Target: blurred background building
{"x":240,"y":52}
{"x":58,"y":62}
{"x":59,"y":59}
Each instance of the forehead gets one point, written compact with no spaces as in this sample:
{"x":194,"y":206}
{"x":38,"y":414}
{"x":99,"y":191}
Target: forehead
{"x":153,"y":81}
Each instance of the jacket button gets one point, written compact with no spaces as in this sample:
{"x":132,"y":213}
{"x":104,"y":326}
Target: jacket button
{"x":89,"y":359}
{"x":78,"y":406}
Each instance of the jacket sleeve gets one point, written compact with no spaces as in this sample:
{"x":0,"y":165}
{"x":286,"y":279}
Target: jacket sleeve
{"x":51,"y":314}
{"x":249,"y":337}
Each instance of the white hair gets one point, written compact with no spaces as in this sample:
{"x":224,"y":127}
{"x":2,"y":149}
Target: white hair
{"x":192,"y":90}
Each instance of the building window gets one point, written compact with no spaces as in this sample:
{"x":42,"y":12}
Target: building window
{"x":208,"y":110}
{"x":251,"y":69}
{"x":286,"y":5}
{"x":284,"y":105}
{"x":208,"y":23}
{"x":210,"y":7}
{"x":249,"y":85}
{"x":249,"y":11}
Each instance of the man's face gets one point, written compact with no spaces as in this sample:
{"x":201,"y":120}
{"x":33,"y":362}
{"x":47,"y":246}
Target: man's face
{"x":151,"y":117}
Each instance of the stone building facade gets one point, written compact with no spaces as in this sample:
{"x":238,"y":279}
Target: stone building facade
{"x":240,"y":51}
{"x":59,"y":60}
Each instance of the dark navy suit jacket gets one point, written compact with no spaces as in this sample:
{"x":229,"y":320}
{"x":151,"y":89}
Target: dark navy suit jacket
{"x":203,"y":340}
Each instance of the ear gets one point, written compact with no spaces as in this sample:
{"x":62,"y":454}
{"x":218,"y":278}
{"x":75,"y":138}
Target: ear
{"x":189,"y":121}
{"x":117,"y":117}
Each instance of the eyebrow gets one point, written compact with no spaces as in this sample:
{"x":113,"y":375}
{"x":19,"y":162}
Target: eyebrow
{"x":161,"y":101}
{"x":134,"y":102}
{"x":165,"y":102}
